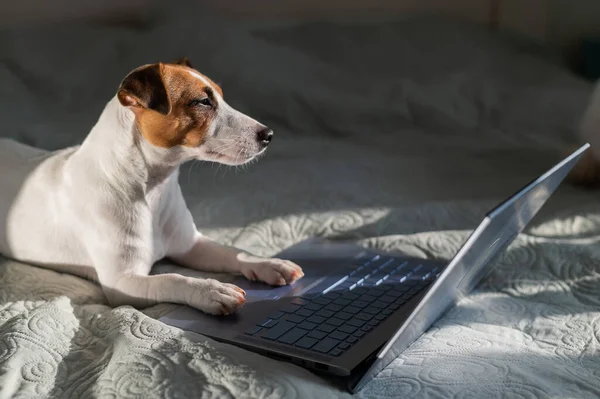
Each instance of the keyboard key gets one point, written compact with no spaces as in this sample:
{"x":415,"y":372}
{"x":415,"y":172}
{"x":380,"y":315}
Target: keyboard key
{"x":356,"y":322}
{"x":366,"y":328}
{"x":290,"y":308}
{"x":336,"y":352}
{"x":299,"y":301}
{"x":338,"y":335}
{"x":360,"y":304}
{"x":387,"y":312}
{"x":321,"y":301}
{"x":379,"y":305}
{"x":364,"y":316}
{"x":380,"y":317}
{"x":352,"y":309}
{"x":382,"y":261}
{"x":326,"y":345}
{"x":394,"y":294}
{"x":276,"y":315}
{"x":375,"y":291}
{"x":344,"y":286}
{"x":317,"y":334}
{"x":396,"y":279}
{"x":325,"y":313}
{"x":361,"y":290}
{"x":380,"y":290}
{"x":362,"y":273}
{"x":373,"y":322}
{"x":388,"y":265}
{"x":344,"y":345}
{"x":326,"y":327}
{"x":295,"y":318}
{"x":306,"y":342}
{"x":393,"y":306}
{"x":371,"y":281}
{"x":401,"y":288}
{"x":307,"y":325}
{"x":343,"y":315}
{"x":316,"y":319}
{"x":368,"y":298}
{"x":313,"y":306}
{"x":330,"y":295}
{"x":347,"y":328}
{"x":405,"y":297}
{"x":401,"y":268}
{"x":384,"y":298}
{"x":253,"y":330}
{"x":342,"y":302}
{"x":351,"y":296}
{"x":354,"y":273}
{"x":335,"y":321}
{"x":371,"y":310}
{"x":351,"y":340}
{"x":292,"y":336}
{"x":334,"y":308}
{"x":400,"y":301}
{"x":277,"y":331}
{"x":268,"y":323}
{"x":304,"y":312}
{"x":359,"y":333}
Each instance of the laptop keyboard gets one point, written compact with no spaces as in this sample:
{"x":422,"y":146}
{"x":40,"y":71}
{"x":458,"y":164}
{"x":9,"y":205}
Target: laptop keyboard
{"x":333,"y":321}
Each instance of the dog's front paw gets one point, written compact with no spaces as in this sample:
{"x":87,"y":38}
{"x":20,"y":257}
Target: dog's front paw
{"x":272,"y":271}
{"x":218,"y":298}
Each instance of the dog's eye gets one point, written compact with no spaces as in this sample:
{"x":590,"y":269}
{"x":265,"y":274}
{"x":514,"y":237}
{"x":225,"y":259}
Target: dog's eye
{"x":201,"y":101}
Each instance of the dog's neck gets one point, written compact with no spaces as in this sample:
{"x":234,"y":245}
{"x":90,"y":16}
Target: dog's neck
{"x":121,"y":152}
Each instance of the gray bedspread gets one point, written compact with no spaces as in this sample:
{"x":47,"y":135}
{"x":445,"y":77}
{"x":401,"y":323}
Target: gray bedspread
{"x":397,"y":135}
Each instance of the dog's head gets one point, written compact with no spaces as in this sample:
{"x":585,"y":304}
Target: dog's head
{"x":177,"y":107}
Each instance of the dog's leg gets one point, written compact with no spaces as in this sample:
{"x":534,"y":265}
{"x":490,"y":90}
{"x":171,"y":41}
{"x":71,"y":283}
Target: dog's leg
{"x":123,"y":272}
{"x":191,"y":249}
{"x":207,"y":255}
{"x":208,"y":295}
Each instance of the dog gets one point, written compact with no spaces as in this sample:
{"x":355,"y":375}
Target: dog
{"x":587,"y":171}
{"x":110,"y":208}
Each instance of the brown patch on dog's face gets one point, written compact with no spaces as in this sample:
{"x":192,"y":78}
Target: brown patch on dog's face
{"x":177,"y":107}
{"x":174,"y":105}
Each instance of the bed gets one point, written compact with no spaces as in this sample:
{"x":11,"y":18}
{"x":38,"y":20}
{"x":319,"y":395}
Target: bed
{"x":397,"y":135}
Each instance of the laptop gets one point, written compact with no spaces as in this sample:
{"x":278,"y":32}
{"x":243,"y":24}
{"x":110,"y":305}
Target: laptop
{"x":357,"y":309}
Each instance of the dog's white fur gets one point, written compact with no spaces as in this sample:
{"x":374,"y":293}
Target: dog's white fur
{"x":110,"y":208}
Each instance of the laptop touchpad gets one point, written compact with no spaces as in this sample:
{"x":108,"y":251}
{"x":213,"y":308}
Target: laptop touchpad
{"x":257,"y":291}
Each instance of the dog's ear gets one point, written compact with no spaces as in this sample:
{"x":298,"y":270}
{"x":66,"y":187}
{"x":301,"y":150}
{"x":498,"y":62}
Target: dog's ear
{"x":145,"y":88}
{"x":184,"y":61}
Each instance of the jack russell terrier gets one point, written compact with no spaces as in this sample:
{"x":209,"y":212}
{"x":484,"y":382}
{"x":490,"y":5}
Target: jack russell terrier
{"x":109,"y":209}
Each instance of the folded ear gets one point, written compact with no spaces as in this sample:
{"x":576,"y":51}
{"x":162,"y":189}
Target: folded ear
{"x":144,"y":88}
{"x":184,"y":61}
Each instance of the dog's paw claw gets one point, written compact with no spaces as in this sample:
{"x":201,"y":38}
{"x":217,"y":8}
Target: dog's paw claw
{"x":276,"y":272}
{"x":222,"y":298}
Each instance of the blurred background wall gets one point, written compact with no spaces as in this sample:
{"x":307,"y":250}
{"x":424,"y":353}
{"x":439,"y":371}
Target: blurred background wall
{"x":561,"y":23}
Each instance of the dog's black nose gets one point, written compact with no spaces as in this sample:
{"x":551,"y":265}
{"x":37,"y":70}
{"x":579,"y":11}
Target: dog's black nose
{"x":264,"y":136}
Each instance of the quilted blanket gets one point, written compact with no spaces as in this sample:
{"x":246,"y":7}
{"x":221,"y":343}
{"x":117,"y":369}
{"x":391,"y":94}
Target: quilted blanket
{"x":398,"y":135}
